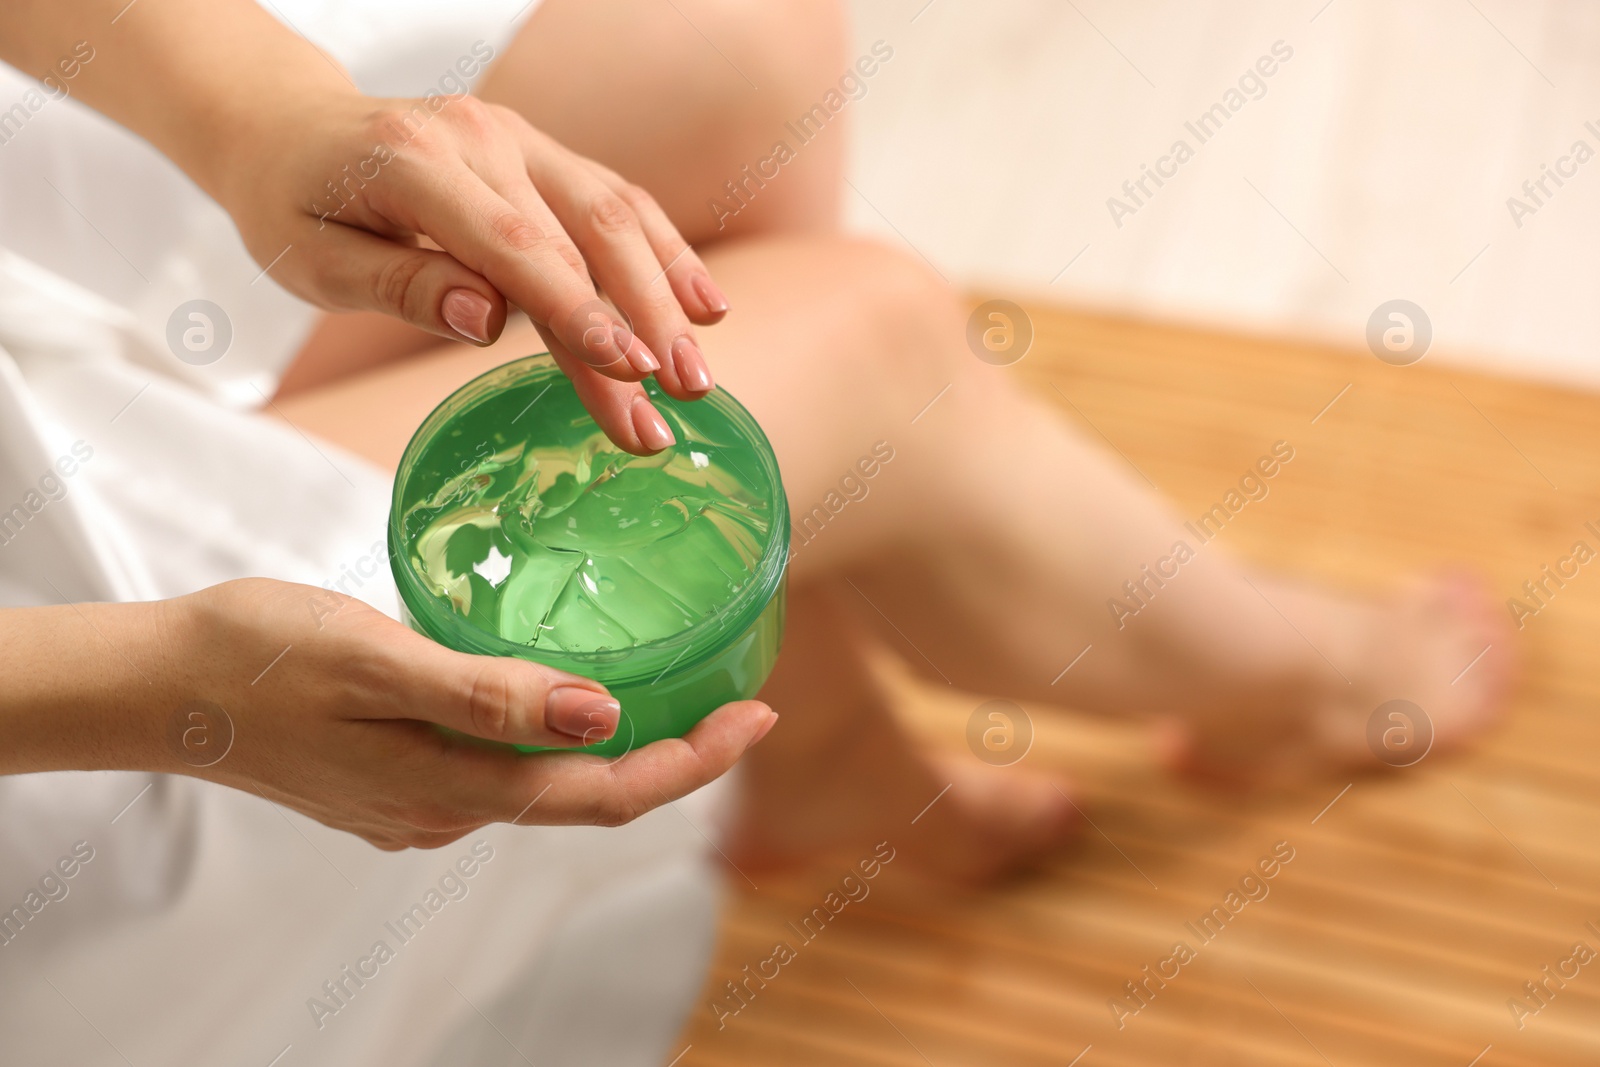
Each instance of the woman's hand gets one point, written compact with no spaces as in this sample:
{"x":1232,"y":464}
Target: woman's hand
{"x":343,"y":725}
{"x":321,"y":703}
{"x":441,"y":211}
{"x":438,"y":211}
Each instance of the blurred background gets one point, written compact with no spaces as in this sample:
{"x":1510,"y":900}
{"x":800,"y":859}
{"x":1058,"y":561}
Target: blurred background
{"x":1376,"y":165}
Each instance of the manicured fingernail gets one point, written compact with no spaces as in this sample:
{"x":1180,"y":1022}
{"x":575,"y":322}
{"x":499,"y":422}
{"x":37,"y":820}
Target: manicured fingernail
{"x":715,"y":301}
{"x":467,"y":313}
{"x":602,"y":727}
{"x":692,"y":369}
{"x":579,"y":712}
{"x":642,"y":359}
{"x":763,"y":730}
{"x":653,"y":431}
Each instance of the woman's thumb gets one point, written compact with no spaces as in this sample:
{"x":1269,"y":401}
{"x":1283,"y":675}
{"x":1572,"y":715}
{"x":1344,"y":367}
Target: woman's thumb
{"x":500,"y":698}
{"x":430,"y":289}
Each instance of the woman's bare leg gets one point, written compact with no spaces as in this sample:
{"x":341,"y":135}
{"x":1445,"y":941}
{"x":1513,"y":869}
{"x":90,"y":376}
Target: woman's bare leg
{"x":987,"y":549}
{"x":680,"y":98}
{"x":844,"y":774}
{"x":683,"y":123}
{"x":988,"y":544}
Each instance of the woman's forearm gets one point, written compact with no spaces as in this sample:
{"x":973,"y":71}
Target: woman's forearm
{"x":442,"y":211}
{"x":82,"y":686}
{"x":189,"y":76}
{"x":326,"y":705}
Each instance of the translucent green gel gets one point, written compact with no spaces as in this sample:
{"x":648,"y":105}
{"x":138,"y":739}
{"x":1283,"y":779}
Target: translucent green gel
{"x":519,"y":529}
{"x":584,"y":548}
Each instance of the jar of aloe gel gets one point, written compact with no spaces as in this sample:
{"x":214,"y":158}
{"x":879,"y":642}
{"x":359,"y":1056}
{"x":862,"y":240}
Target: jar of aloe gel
{"x":518,"y":529}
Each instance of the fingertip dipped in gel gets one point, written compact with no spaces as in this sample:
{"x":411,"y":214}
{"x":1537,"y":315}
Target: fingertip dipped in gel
{"x":653,"y":431}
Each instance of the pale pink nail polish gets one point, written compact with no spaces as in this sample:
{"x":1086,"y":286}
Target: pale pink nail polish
{"x":653,"y":431}
{"x":638,"y":354}
{"x":579,"y":712}
{"x":691,"y":364}
{"x":467,"y":313}
{"x":715,"y":301}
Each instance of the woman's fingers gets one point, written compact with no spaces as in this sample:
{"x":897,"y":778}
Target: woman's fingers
{"x":352,"y":269}
{"x":519,"y":254}
{"x":581,"y":789}
{"x":469,"y":785}
{"x":622,"y":409}
{"x":595,"y":319}
{"x":589,"y":789}
{"x":495,"y":698}
{"x":700,"y":297}
{"x":611,"y":236}
{"x":615,"y":232}
{"x":514,"y":218}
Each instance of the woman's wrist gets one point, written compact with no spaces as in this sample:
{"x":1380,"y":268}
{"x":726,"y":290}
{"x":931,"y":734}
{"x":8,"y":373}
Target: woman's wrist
{"x":244,"y":161}
{"x":86,"y":686}
{"x":212,"y":84}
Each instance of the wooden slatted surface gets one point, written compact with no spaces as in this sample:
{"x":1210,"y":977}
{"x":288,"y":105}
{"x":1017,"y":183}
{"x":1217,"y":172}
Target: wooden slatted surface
{"x":1414,"y":908}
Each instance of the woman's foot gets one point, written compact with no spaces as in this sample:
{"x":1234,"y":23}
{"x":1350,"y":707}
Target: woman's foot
{"x":1441,"y":646}
{"x":838,"y":774}
{"x":999,"y":820}
{"x":948,"y":815}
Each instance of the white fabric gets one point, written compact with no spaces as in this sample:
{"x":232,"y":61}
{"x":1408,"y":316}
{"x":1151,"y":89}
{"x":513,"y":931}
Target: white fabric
{"x":207,"y":919}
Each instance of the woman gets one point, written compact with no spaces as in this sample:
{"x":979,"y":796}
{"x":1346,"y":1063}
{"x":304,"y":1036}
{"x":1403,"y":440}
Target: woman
{"x":602,"y":143}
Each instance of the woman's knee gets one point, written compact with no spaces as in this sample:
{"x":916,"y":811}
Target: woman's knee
{"x":691,"y":100}
{"x":782,"y":157}
{"x":789,"y":52}
{"x":914,"y":318}
{"x":843,"y":317}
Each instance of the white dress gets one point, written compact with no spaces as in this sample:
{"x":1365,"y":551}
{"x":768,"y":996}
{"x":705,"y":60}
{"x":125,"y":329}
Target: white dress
{"x":200,"y":925}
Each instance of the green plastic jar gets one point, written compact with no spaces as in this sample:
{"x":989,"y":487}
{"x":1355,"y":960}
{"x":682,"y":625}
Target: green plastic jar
{"x":517,"y":529}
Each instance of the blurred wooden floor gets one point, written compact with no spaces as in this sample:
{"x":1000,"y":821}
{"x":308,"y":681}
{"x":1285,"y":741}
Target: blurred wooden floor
{"x":1416,"y":905}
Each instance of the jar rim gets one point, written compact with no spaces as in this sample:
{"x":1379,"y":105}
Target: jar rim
{"x":648,"y":660}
